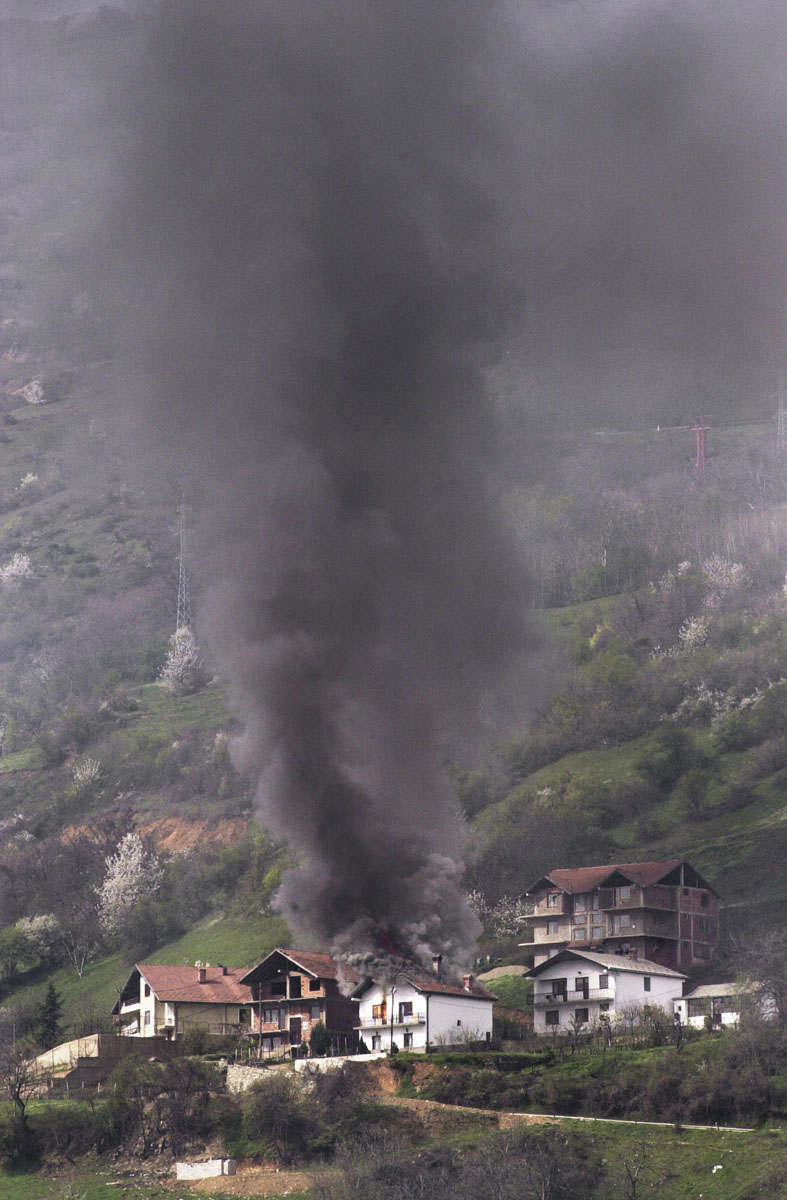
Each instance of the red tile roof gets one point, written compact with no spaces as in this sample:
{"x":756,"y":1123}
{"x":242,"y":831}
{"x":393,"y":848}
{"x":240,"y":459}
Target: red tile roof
{"x":182,"y":984}
{"x":584,"y":879}
{"x":433,"y":986}
{"x":436,"y":986}
{"x":321,"y":966}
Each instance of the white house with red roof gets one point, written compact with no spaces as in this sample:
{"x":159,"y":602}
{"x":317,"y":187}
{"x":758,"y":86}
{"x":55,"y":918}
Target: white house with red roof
{"x":164,"y":1001}
{"x":574,"y":988}
{"x":664,"y":911}
{"x":419,"y":1011}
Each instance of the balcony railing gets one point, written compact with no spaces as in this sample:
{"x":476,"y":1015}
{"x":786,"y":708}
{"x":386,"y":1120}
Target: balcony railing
{"x":574,"y":996}
{"x":385,"y":1022}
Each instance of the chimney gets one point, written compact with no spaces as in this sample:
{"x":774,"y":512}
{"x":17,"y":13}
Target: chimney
{"x":223,"y":969}
{"x":202,"y":974}
{"x":633,"y":953}
{"x":467,"y":980}
{"x":437,"y":960}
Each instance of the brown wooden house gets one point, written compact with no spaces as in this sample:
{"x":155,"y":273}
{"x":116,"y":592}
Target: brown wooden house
{"x":293,"y":990}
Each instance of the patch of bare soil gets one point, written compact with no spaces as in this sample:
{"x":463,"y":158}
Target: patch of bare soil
{"x":177,"y":835}
{"x":249,"y":1181}
{"x":174,"y":835}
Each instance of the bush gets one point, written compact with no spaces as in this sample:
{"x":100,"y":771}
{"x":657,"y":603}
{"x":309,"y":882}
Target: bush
{"x":320,"y":1040}
{"x":276,"y":1113}
{"x":197,"y":1039}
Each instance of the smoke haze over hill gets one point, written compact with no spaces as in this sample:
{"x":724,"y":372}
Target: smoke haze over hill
{"x":325,"y":232}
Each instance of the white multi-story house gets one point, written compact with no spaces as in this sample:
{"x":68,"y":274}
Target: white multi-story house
{"x":418,"y":1012}
{"x":574,"y":988}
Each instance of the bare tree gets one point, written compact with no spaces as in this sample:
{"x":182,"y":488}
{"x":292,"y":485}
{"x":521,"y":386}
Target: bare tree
{"x":761,"y":967}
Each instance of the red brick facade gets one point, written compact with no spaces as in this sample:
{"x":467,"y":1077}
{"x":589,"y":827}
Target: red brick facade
{"x":292,"y":991}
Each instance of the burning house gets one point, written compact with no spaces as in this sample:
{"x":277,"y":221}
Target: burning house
{"x":294,"y":990}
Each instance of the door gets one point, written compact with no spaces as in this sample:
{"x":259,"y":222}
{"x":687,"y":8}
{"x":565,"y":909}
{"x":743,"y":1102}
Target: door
{"x":295,"y":1031}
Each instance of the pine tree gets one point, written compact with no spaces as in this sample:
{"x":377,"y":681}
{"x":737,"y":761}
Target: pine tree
{"x":49,"y":1018}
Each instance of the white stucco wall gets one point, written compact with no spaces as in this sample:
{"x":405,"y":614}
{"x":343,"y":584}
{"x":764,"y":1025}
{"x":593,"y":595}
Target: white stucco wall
{"x":624,"y":990}
{"x":443,"y":1018}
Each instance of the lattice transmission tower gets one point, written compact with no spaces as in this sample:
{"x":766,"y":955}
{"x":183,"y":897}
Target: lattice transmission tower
{"x":183,"y":620}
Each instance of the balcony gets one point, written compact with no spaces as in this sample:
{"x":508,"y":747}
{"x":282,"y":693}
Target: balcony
{"x":574,"y":996}
{"x":385,"y":1022}
{"x":562,"y":906}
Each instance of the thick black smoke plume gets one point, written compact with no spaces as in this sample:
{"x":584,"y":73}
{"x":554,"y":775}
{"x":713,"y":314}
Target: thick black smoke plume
{"x":310,"y":226}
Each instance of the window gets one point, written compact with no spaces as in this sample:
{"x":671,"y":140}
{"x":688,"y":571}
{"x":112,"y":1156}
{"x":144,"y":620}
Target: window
{"x":598,"y":932}
{"x":559,"y":987}
{"x":553,"y":927}
{"x":552,"y":1016}
{"x":380,"y":1011}
{"x":147,"y":989}
{"x":594,"y":901}
{"x":604,"y":1006}
{"x":405,"y":1010}
{"x":147,"y":1016}
{"x":580,"y":1016}
{"x":243,"y":1016}
{"x":622,"y":922}
{"x":603,"y":982}
{"x":273,"y":1015}
{"x":685,"y":891}
{"x":314,"y":985}
{"x":580,"y":903}
{"x":315,"y":1011}
{"x":552,"y":899}
{"x":702,"y":924}
{"x":408,"y":1039}
{"x":624,"y":893}
{"x":279,"y":989}
{"x":704,"y":900}
{"x":458,"y":1023}
{"x":701,"y":950}
{"x":646,"y":982}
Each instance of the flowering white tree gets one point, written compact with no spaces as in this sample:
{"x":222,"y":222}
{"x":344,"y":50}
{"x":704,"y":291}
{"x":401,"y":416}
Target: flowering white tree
{"x":508,"y":915}
{"x":182,"y":670}
{"x":693,"y":633}
{"x":725,"y":579}
{"x":132,"y":872}
{"x":42,"y":935}
{"x":17,"y":567}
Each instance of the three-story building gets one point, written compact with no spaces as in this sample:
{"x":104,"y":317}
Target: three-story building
{"x":663,"y":911}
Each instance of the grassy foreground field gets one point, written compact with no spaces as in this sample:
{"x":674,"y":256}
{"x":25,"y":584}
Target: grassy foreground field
{"x":634,"y":1161}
